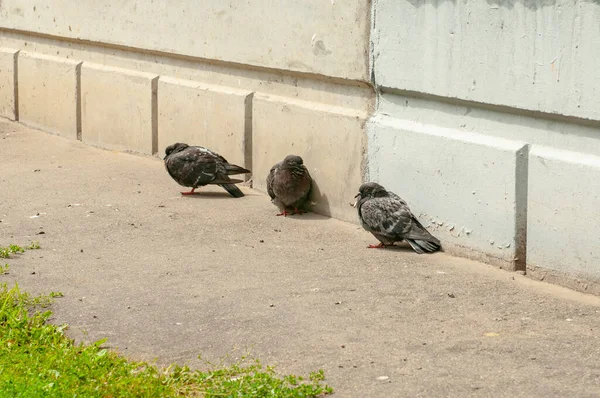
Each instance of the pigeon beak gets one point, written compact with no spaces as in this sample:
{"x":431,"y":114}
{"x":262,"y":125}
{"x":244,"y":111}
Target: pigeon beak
{"x":357,"y":197}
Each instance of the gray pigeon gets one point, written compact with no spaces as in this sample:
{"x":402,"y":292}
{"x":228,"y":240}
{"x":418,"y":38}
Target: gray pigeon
{"x":196,"y":166}
{"x":388,"y":218}
{"x":289,"y":184}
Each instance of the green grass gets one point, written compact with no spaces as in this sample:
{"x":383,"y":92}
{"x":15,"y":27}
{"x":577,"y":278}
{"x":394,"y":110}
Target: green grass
{"x":6,"y":252}
{"x":38,"y":360}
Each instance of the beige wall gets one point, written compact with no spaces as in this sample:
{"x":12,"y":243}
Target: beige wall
{"x":8,"y":77}
{"x":314,"y":36}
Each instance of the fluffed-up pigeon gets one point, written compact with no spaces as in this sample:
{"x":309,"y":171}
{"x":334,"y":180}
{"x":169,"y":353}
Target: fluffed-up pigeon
{"x":388,"y":218}
{"x":196,"y":166}
{"x":289,"y":184}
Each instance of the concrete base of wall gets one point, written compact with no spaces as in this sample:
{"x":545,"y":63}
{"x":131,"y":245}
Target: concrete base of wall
{"x":8,"y":83}
{"x":118,"y":109}
{"x":48,"y":90}
{"x":582,"y":284}
{"x":217,"y":117}
{"x":564,"y":212}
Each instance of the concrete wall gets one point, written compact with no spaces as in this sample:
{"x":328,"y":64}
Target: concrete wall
{"x":488,"y":123}
{"x":321,"y":37}
{"x":483,"y":115}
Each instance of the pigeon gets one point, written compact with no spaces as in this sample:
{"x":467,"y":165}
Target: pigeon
{"x":289,"y":184}
{"x":196,"y":166}
{"x":388,"y":218}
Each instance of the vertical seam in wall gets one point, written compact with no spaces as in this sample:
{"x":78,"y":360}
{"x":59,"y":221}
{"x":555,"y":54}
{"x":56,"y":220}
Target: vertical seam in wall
{"x":521,"y":193}
{"x":78,"y":99}
{"x":154,"y":120}
{"x":248,"y":138}
{"x":372,"y":47}
{"x":16,"y":83}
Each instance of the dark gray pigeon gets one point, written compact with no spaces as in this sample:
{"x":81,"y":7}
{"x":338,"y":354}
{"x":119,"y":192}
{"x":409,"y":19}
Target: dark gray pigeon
{"x":196,"y":166}
{"x":388,"y":218}
{"x":289,"y":184}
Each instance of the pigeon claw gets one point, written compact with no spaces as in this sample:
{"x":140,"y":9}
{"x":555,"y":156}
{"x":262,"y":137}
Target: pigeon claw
{"x":189,"y":193}
{"x":379,"y":246}
{"x":286,"y":213}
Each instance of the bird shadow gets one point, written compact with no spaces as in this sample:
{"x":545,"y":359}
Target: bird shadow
{"x":398,"y":247}
{"x":308,"y":216}
{"x":215,"y":195}
{"x":405,"y":247}
{"x":318,"y":202}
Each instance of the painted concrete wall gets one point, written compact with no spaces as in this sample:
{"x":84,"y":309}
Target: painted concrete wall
{"x":488,"y":123}
{"x":483,"y":115}
{"x":537,"y":55}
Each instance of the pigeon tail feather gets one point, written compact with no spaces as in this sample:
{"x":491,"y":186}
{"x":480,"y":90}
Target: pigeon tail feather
{"x":422,"y":246}
{"x":233,"y":190}
{"x":415,"y":246}
{"x":421,"y":234}
{"x":225,"y":180}
{"x":231,"y":169}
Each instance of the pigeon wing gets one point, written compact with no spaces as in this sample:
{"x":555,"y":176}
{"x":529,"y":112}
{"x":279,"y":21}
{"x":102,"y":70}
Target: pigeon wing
{"x":215,"y":155}
{"x":385,"y":216}
{"x":304,"y":185}
{"x":414,"y":229}
{"x":172,"y":170}
{"x":194,"y":166}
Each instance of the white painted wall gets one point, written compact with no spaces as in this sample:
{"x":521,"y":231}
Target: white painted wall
{"x":531,"y":54}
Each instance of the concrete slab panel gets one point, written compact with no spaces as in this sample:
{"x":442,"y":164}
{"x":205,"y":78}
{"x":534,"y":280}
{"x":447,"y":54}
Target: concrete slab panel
{"x":118,"y":108}
{"x":49,"y":93}
{"x":469,"y":190}
{"x":213,"y":116}
{"x":329,"y":139}
{"x":8,"y":83}
{"x":564,"y":212}
{"x":535,"y":55}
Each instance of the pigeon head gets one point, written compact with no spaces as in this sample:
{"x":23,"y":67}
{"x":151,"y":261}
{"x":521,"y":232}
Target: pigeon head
{"x":174,"y":148}
{"x":369,"y":190}
{"x":293,"y":160}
